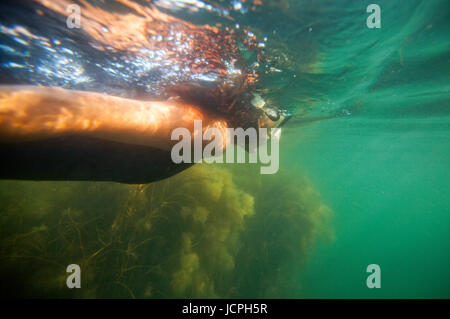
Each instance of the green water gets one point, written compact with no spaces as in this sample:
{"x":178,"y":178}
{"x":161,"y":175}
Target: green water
{"x":389,"y":192}
{"x":384,"y":169}
{"x":364,"y":179}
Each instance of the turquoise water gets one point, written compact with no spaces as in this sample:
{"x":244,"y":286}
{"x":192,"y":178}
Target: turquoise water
{"x":370,"y":130}
{"x":384,"y":169}
{"x":389,"y":192}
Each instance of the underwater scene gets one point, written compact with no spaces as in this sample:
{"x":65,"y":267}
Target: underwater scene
{"x":350,"y":198}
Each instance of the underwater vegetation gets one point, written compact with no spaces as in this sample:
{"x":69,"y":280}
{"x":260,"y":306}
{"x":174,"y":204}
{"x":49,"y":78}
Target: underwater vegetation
{"x":211,"y":231}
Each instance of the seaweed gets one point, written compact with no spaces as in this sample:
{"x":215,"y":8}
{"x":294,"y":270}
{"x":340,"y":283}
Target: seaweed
{"x":211,"y":231}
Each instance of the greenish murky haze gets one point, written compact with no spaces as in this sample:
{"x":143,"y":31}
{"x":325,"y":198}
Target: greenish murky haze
{"x":364,"y":179}
{"x":383,"y":169}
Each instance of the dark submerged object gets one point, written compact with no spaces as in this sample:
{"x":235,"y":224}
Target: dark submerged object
{"x":82,"y":158}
